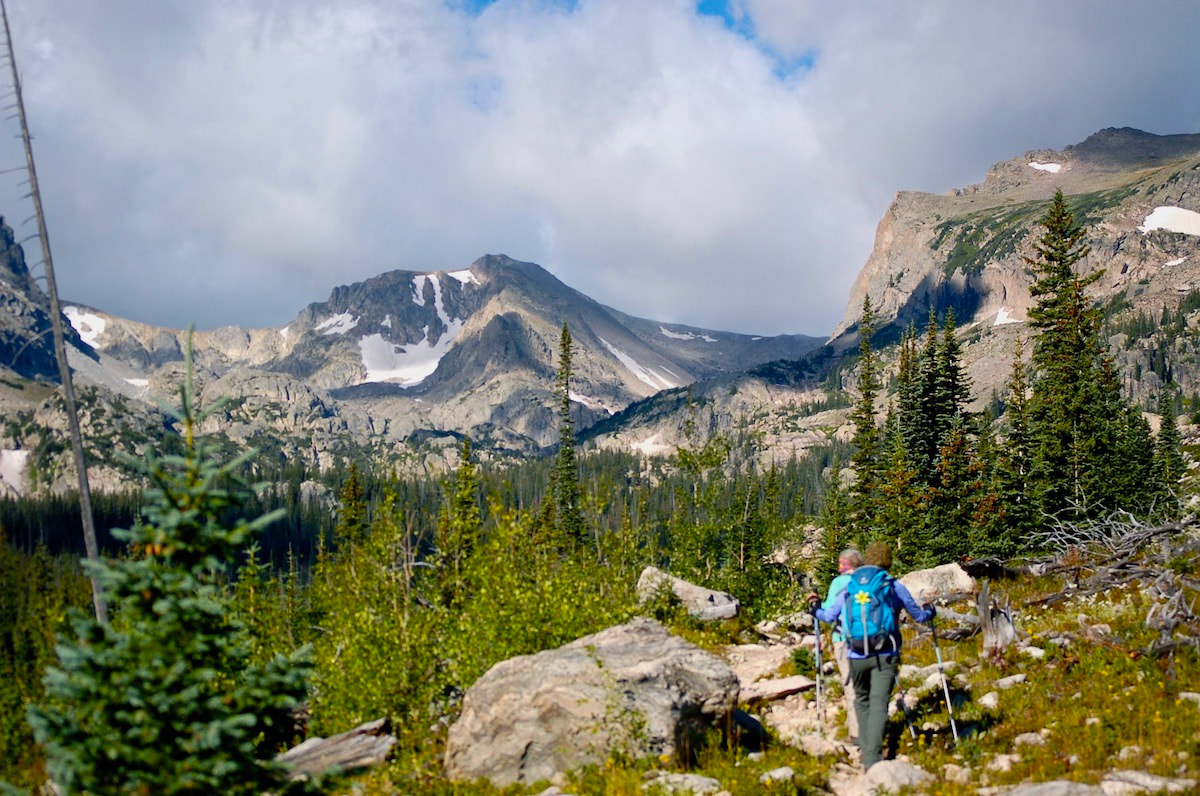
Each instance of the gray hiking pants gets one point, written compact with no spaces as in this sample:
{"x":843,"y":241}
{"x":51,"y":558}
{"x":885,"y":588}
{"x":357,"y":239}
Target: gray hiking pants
{"x":874,"y":678}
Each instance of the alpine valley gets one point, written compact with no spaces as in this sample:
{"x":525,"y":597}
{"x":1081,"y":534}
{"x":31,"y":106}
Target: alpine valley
{"x":398,"y":368}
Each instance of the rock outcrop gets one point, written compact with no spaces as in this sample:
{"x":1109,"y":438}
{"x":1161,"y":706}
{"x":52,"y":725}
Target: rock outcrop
{"x":704,"y":604}
{"x":633,"y":688}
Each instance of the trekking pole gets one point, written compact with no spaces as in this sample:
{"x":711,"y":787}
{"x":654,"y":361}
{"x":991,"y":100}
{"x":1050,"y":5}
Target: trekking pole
{"x":820,"y":689}
{"x":907,"y":716}
{"x":942,"y":671}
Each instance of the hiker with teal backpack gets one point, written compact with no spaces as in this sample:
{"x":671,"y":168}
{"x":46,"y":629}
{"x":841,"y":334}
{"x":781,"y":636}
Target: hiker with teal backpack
{"x":868,"y":610}
{"x":848,"y":561}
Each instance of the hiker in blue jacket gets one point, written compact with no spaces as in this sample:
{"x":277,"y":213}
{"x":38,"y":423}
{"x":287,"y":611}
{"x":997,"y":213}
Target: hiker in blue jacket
{"x":868,"y":611}
{"x":848,"y":561}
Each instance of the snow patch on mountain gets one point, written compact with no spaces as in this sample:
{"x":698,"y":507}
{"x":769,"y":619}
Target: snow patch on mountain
{"x":686,"y":335}
{"x":386,"y":323}
{"x":338,"y":324}
{"x":1053,"y":168}
{"x":138,"y":382}
{"x":1172,"y":219}
{"x":646,"y":375}
{"x":12,"y":469}
{"x":419,"y":289}
{"x":1176,"y":261}
{"x":652,"y":447}
{"x":590,"y":403}
{"x":465,"y":276}
{"x":1003,"y":317}
{"x":284,"y":332}
{"x":411,"y":363}
{"x":89,"y":325}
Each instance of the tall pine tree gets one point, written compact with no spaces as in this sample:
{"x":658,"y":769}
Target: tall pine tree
{"x":868,"y":437}
{"x":568,"y":512}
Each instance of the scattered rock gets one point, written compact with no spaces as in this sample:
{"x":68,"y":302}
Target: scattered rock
{"x":1029,"y":739}
{"x":1091,"y":721}
{"x":1059,"y":787}
{"x":960,"y":775}
{"x":1120,"y":783}
{"x":1005,"y":683}
{"x":782,"y":774}
{"x":927,"y":585}
{"x":752,"y":662}
{"x":1037,"y":653}
{"x":1129,"y":753}
{"x":886,"y":776}
{"x":990,"y":700}
{"x":1190,"y":696}
{"x":704,"y":604}
{"x":816,"y":746}
{"x":681,"y":783}
{"x":634,"y":688}
{"x":1003,"y":763}
{"x":771,"y":690}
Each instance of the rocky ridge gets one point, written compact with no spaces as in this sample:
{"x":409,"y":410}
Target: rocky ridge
{"x":400,"y":365}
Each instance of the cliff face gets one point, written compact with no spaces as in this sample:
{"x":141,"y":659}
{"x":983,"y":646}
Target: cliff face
{"x":1137,"y":194}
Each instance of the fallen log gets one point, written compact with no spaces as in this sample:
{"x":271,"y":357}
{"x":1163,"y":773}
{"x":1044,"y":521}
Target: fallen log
{"x":364,"y":746}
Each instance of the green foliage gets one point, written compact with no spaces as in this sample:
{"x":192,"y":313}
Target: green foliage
{"x":566,"y":504}
{"x":165,"y":699}
{"x":36,"y":589}
{"x":868,"y":438}
{"x":1087,"y":448}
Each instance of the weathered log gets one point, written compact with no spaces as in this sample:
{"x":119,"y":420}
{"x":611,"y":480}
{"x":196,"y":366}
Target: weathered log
{"x":996,"y":622}
{"x":364,"y":746}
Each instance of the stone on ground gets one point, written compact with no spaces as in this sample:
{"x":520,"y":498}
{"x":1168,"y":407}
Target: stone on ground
{"x":633,"y":689}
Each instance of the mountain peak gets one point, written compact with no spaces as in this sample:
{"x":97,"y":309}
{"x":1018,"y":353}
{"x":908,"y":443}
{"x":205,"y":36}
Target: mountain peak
{"x":1128,"y":146}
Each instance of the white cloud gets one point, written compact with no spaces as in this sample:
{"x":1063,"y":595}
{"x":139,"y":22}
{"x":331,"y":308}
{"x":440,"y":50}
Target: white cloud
{"x":232,"y":162}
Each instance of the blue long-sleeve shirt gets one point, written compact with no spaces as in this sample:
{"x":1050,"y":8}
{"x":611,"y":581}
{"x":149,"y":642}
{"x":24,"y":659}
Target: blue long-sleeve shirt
{"x":831,"y":613}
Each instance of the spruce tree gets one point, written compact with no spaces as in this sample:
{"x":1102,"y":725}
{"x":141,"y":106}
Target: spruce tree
{"x":568,"y":513}
{"x":1070,"y":416}
{"x":868,"y":437}
{"x":1014,"y":518}
{"x":165,"y":699}
{"x":458,"y":527}
{"x":352,"y":521}
{"x":1168,"y":460}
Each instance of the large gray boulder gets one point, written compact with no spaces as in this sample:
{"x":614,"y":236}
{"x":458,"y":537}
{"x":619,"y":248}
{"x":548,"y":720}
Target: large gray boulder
{"x":704,"y":604}
{"x":927,"y":585}
{"x":634,"y":689}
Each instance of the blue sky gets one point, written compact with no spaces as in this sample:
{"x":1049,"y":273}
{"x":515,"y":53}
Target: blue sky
{"x":718,"y":164}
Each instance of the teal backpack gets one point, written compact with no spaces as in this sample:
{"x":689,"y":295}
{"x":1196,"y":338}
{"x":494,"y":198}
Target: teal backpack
{"x":869,"y":618}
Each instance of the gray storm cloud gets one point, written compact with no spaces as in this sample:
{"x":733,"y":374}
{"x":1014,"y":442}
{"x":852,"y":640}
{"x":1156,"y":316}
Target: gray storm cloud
{"x":229,"y":163}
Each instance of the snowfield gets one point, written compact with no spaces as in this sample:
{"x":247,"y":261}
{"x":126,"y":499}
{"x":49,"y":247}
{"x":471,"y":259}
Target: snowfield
{"x":646,"y":375}
{"x":338,"y":324}
{"x":652,"y":447}
{"x":89,"y":325}
{"x":589,"y":402}
{"x":12,"y":469}
{"x":410,"y":363}
{"x":1172,"y":219}
{"x":1176,"y":261}
{"x":685,"y":335}
{"x":1003,"y":317}
{"x":1053,"y":168}
{"x":464,"y":276}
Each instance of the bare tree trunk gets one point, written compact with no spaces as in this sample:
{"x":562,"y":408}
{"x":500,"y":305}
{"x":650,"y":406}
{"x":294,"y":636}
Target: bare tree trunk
{"x":60,"y":346}
{"x":996,"y":621}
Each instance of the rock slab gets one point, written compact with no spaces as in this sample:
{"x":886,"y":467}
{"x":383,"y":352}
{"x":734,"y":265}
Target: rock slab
{"x":927,"y":585}
{"x":704,"y":604}
{"x":634,"y":688}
